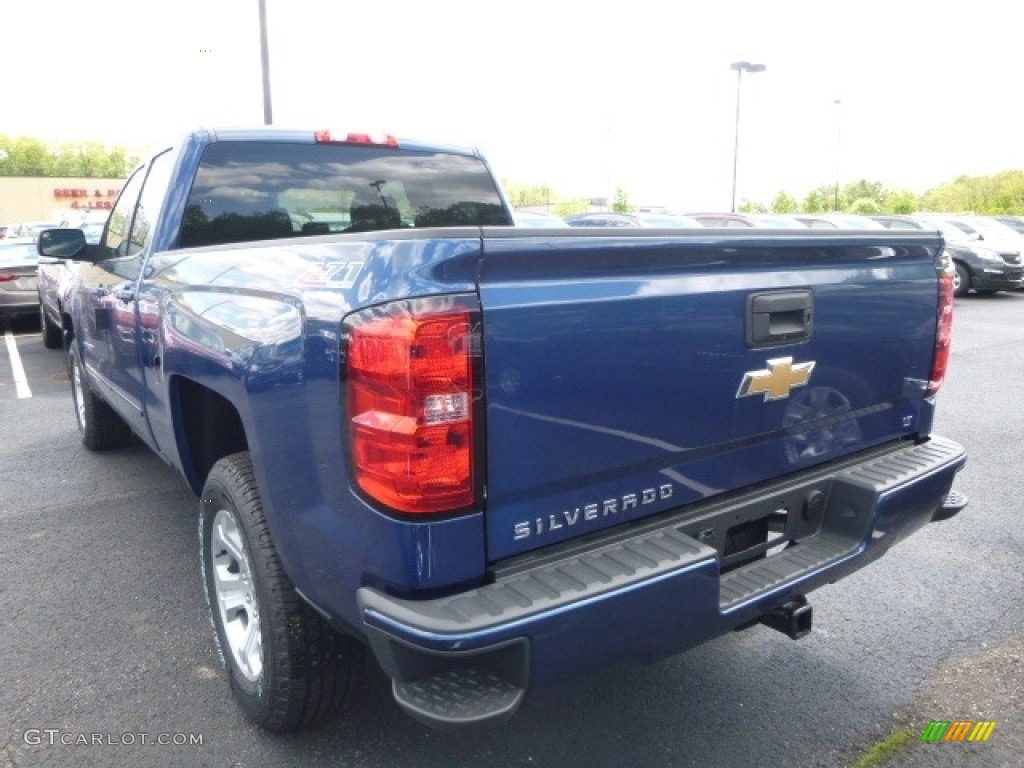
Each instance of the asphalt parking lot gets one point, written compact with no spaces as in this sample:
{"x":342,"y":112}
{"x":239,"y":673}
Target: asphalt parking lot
{"x":107,"y":658}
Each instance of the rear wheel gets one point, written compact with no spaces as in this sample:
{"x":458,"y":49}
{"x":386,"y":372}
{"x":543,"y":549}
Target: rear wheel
{"x":101,"y":428}
{"x":961,"y":281}
{"x":52,"y":335}
{"x":287,"y":667}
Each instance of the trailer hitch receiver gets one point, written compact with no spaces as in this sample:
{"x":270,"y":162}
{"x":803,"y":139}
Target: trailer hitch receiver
{"x":792,"y":618}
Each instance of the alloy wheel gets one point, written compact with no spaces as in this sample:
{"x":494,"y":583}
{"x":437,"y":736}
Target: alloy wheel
{"x":237,"y":603}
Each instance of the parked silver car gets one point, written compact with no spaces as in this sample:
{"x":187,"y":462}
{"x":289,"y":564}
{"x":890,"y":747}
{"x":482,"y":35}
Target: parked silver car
{"x":983,"y":265}
{"x":18,"y":288}
{"x":837,"y":221}
{"x":659,"y":220}
{"x":535,"y":219}
{"x":31,"y":229}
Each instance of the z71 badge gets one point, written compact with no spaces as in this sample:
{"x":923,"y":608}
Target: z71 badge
{"x":777,"y":380}
{"x":335,"y":274}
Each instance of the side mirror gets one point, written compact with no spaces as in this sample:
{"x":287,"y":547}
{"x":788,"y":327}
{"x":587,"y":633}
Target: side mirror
{"x":62,"y":244}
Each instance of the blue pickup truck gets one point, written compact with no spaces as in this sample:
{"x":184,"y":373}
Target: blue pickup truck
{"x":496,"y":456}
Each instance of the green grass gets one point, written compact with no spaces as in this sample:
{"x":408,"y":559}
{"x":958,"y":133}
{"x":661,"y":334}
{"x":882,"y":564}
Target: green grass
{"x":885,"y":749}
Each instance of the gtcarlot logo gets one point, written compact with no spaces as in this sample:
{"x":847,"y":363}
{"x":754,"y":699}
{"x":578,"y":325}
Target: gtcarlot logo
{"x":958,"y":730}
{"x":35,"y":737}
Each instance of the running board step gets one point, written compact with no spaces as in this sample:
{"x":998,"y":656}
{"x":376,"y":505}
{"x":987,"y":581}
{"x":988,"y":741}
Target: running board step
{"x":457,"y":697}
{"x":954,"y":502}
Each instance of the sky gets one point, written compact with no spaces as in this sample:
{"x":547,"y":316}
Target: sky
{"x":584,"y":97}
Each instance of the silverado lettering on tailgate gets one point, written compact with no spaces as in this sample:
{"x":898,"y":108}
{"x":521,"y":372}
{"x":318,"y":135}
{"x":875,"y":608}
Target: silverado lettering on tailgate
{"x":569,"y":518}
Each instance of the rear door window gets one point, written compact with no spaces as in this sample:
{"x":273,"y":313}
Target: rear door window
{"x":256,"y":190}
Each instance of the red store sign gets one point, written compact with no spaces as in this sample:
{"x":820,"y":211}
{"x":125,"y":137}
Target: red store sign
{"x":84,"y":200}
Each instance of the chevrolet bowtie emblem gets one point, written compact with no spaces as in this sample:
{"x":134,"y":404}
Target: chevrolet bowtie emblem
{"x":776,"y":381}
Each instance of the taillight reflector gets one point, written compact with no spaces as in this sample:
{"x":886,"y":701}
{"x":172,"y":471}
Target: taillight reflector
{"x":410,"y":374}
{"x":943,"y":332}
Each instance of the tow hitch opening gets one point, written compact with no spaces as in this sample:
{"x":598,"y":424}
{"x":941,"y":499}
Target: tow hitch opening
{"x":792,"y":619}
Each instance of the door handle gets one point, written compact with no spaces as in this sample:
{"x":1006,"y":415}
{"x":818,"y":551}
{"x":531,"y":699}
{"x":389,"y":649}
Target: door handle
{"x":779,"y":317}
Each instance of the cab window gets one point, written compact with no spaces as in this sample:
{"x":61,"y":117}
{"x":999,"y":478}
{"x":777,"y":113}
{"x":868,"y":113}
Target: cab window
{"x":257,"y":190}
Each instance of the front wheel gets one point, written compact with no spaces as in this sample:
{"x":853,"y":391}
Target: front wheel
{"x":52,"y":336}
{"x":961,"y":281}
{"x":101,"y":427}
{"x":287,"y":667}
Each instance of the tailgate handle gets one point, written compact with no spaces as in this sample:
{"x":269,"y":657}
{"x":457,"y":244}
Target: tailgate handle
{"x":779,"y":317}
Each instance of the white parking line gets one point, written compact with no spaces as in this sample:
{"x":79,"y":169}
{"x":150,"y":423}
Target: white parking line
{"x":20,"y":380}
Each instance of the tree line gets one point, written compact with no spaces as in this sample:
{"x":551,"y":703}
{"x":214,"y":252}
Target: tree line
{"x":27,"y":156}
{"x":1002,"y":193}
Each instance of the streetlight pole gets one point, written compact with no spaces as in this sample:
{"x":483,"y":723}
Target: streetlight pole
{"x":740,"y":67}
{"x":268,"y":117}
{"x":839,"y":145}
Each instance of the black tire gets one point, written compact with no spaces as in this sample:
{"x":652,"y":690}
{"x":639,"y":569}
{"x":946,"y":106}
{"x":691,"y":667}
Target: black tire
{"x":53,"y":337}
{"x":961,"y":281}
{"x":303,"y":668}
{"x":102,"y":429}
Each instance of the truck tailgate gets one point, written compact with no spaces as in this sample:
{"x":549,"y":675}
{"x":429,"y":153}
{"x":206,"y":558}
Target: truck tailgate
{"x":626,"y":375}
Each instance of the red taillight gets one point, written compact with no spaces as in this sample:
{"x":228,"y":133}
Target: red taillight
{"x":943,"y":332}
{"x":410,"y":370}
{"x":6,"y":277}
{"x":381,"y":140}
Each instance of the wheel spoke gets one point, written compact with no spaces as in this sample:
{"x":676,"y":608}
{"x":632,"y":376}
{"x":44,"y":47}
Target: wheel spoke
{"x":818,"y":397}
{"x":230,"y":540}
{"x":799,"y":411}
{"x":252,"y":648}
{"x":232,"y":592}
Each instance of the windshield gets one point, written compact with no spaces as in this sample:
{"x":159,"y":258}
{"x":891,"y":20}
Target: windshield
{"x":1017,"y":225}
{"x":948,"y":229}
{"x":989,"y":228}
